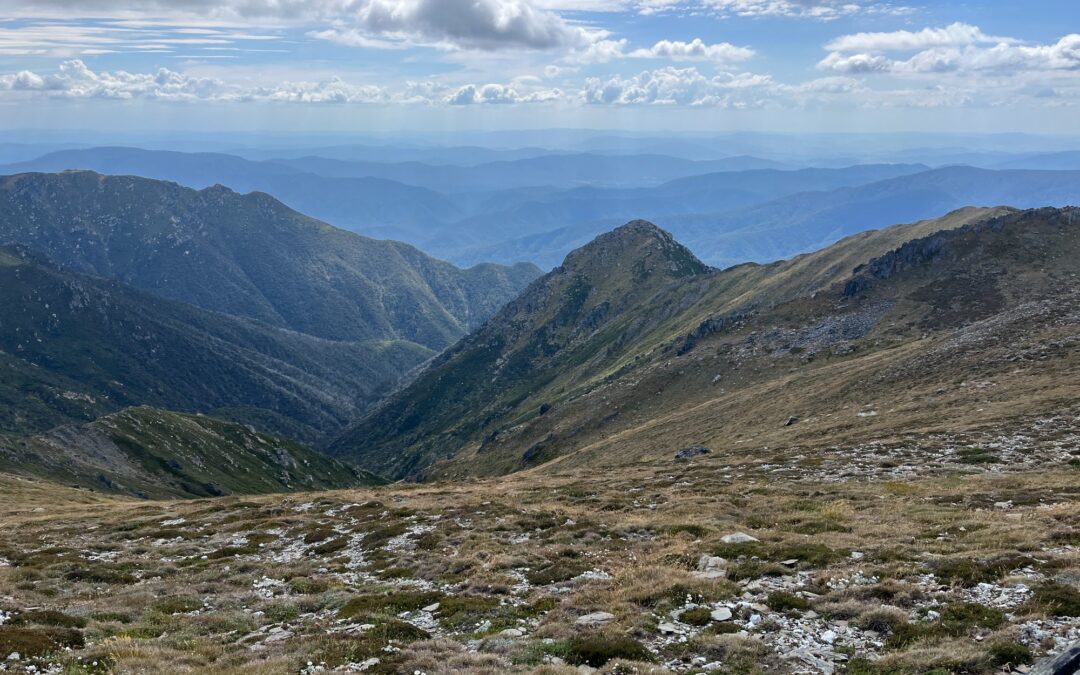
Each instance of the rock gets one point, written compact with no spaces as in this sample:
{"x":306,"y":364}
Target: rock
{"x":857,"y":555}
{"x":721,"y":614}
{"x":793,"y":562}
{"x":669,"y":628}
{"x":1064,"y":663}
{"x":430,"y":608}
{"x":829,"y":637}
{"x":810,"y":614}
{"x":595,"y":619}
{"x":512,"y":633}
{"x":710,"y":567}
{"x":14,"y":656}
{"x":692,"y":451}
{"x":790,"y":421}
{"x":738,"y":538}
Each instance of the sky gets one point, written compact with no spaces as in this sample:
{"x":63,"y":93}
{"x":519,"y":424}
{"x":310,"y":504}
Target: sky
{"x":441,"y":65}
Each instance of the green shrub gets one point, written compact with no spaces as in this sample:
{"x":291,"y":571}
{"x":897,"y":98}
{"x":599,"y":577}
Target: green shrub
{"x":782,"y":601}
{"x":33,"y":642}
{"x":1010,"y":654}
{"x":49,"y":617}
{"x":1056,"y":599}
{"x":596,"y":650}
{"x":178,"y":605}
{"x":699,"y":616}
{"x":393,"y":603}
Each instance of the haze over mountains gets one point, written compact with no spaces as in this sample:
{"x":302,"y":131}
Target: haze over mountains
{"x":536,"y":206}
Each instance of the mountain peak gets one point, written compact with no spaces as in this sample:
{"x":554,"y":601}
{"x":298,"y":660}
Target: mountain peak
{"x":640,"y":245}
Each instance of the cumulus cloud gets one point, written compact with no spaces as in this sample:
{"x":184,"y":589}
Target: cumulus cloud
{"x":954,"y":35}
{"x":678,"y":86}
{"x":478,"y":24}
{"x":695,"y":50}
{"x":1005,"y":57}
{"x":499,"y":93}
{"x":73,"y":79}
{"x":464,"y":24}
{"x":824,"y":10}
{"x":604,"y":51}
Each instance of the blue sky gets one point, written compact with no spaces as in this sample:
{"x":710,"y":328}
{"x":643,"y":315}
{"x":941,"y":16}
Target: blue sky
{"x":363,"y":65}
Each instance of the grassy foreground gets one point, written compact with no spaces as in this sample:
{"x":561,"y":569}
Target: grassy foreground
{"x":944,"y":553}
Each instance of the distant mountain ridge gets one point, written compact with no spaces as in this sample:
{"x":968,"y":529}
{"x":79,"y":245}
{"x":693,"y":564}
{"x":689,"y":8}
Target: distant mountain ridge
{"x":809,"y":220}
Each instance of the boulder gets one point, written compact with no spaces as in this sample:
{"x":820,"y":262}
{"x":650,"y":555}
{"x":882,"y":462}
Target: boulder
{"x":738,"y":538}
{"x":595,"y":619}
{"x":692,"y":451}
{"x":721,"y":614}
{"x":710,"y":567}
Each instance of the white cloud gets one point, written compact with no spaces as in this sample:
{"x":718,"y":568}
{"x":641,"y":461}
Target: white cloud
{"x":74,"y":79}
{"x":679,"y":86}
{"x":954,"y":35}
{"x":604,"y":51}
{"x":695,"y":50}
{"x":500,"y":93}
{"x":823,"y":10}
{"x":462,"y":24}
{"x":475,"y":24}
{"x":1004,"y":58}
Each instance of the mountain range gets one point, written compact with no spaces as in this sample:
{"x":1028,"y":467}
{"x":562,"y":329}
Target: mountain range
{"x":529,"y":207}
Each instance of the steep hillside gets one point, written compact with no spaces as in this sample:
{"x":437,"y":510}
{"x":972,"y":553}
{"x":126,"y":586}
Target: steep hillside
{"x":150,"y":453}
{"x":73,"y":347}
{"x":563,"y":322}
{"x":250,"y":255}
{"x":726,"y":358}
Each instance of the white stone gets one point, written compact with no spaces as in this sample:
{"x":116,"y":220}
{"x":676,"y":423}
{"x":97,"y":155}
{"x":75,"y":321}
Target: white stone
{"x":432,"y":607}
{"x":512,"y":633}
{"x":737,"y":538}
{"x":721,"y":614}
{"x":828,"y":637}
{"x":594,"y":619}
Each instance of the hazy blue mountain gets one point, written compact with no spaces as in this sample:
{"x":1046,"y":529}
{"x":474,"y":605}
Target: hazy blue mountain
{"x":559,"y":170}
{"x":352,"y":203}
{"x":250,"y":255}
{"x":468,"y":155}
{"x":574,"y":217}
{"x":1055,"y":161}
{"x":805,"y":221}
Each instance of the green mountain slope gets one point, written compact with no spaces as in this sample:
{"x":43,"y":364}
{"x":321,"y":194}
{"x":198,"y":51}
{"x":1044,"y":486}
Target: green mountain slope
{"x":707,"y":358}
{"x":73,"y":347}
{"x":250,"y":255}
{"x":569,"y":321}
{"x":151,"y":453}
